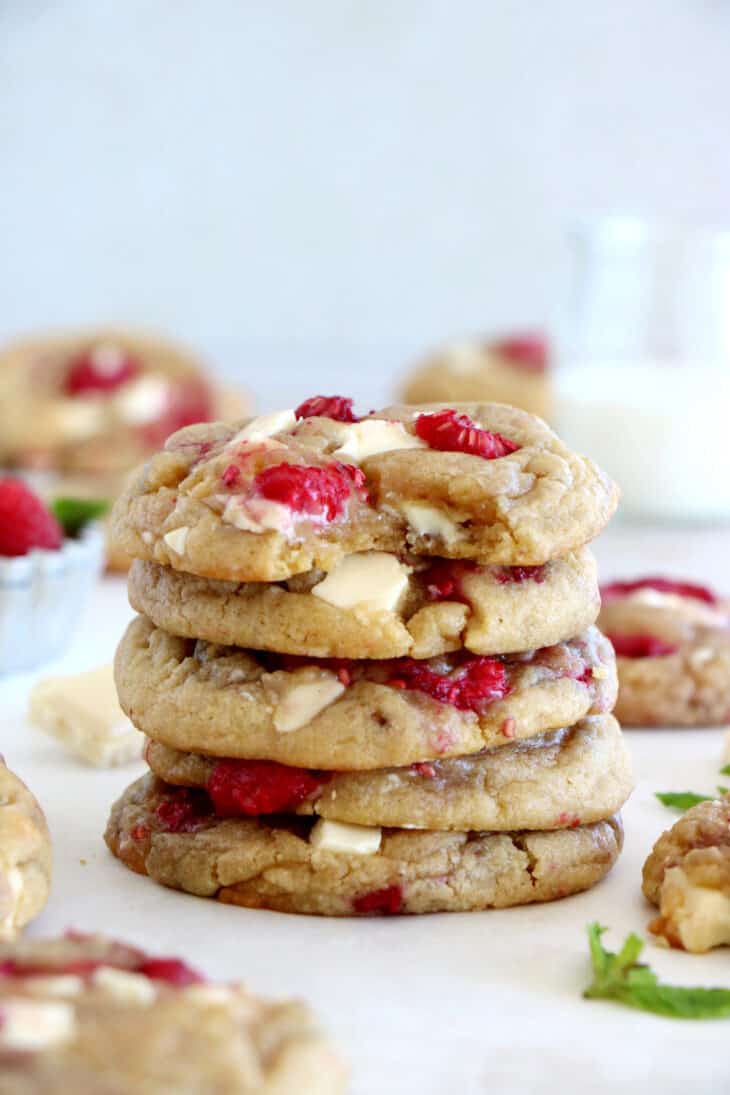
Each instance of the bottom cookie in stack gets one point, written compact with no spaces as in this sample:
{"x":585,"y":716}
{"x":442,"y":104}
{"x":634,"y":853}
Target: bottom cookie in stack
{"x":530,"y":821}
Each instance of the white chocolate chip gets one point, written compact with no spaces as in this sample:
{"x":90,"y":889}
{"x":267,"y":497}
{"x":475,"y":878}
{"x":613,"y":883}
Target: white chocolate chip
{"x":373,"y":436}
{"x":701,"y":656}
{"x":335,"y":836}
{"x":143,"y":400}
{"x":302,"y":702}
{"x":374,"y":579}
{"x":700,"y":915}
{"x":599,"y":673}
{"x":132,"y":988}
{"x":258,"y":515}
{"x":66,"y":984}
{"x":265,"y":426}
{"x":176,"y":539}
{"x":34,"y":1025}
{"x":147,"y":537}
{"x":426,"y":520}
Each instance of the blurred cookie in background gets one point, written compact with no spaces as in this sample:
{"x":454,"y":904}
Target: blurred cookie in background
{"x":504,"y":370}
{"x":79,"y":411}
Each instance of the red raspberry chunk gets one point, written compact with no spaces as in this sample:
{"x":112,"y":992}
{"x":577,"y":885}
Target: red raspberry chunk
{"x":182,"y":811}
{"x":247,"y":788}
{"x":173,"y":971}
{"x":327,"y":406}
{"x":388,"y":902}
{"x":231,"y":475}
{"x":443,"y":580}
{"x":506,"y":575}
{"x":100,"y":369}
{"x":322,"y":493}
{"x":25,"y":523}
{"x":525,"y":351}
{"x":449,"y":431}
{"x":642,"y":646}
{"x":471,"y":687}
{"x":662,"y":585}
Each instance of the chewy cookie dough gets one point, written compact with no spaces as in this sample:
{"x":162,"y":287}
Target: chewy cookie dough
{"x":86,"y":1015}
{"x":334,"y":870}
{"x":373,"y":605}
{"x":25,"y":855}
{"x":562,"y":779}
{"x":199,"y":697}
{"x":687,"y":876}
{"x":268,"y":498}
{"x":672,"y":642}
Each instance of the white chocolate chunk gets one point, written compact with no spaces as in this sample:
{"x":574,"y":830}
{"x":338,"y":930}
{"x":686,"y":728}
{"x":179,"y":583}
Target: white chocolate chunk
{"x":143,"y":400}
{"x":34,"y":1025}
{"x":65,"y":984}
{"x":131,"y":988}
{"x":177,"y":538}
{"x":336,"y":836}
{"x":83,"y":713}
{"x":258,"y":515}
{"x":426,"y":520}
{"x":599,"y":673}
{"x":701,"y":656}
{"x":373,"y":436}
{"x":302,"y":702}
{"x":699,"y":915}
{"x":373,"y":579}
{"x":265,"y":426}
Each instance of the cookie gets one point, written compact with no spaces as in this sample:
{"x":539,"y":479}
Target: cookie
{"x":327,"y":869}
{"x":687,"y":875}
{"x":262,"y":500}
{"x":199,"y":697}
{"x":88,"y":1015}
{"x":563,"y":779}
{"x":25,"y":855}
{"x":374,"y":605}
{"x":673,"y":645}
{"x":514,"y":370}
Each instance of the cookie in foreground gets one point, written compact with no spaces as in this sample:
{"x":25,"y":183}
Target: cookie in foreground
{"x":25,"y":855}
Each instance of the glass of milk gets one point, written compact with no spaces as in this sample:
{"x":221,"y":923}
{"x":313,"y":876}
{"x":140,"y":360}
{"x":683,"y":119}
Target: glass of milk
{"x":643,"y":377}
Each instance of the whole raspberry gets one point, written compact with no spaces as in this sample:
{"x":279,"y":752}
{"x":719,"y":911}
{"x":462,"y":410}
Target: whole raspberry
{"x":247,"y":788}
{"x":322,"y":493}
{"x":641,"y":646}
{"x":337,"y":407}
{"x":388,"y":902}
{"x":662,"y":585}
{"x":100,"y":369}
{"x":449,"y":431}
{"x":25,"y":523}
{"x":476,"y":683}
{"x":525,"y":351}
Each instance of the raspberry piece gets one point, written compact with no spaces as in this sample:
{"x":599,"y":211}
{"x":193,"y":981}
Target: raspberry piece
{"x":528,"y":352}
{"x":388,"y":902}
{"x":231,"y":476}
{"x":449,"y":431}
{"x":247,"y":788}
{"x":662,"y":585}
{"x":471,"y":687}
{"x":443,"y":580}
{"x":642,"y":646}
{"x":25,"y":523}
{"x":322,"y":493}
{"x":182,"y":811}
{"x":188,"y":402}
{"x":505,"y":575}
{"x":427,"y":771}
{"x":327,"y":406}
{"x":100,"y":369}
{"x":173,"y":971}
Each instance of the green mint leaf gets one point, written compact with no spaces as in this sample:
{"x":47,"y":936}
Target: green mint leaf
{"x":74,"y":513}
{"x":725,"y":771}
{"x":621,"y":977}
{"x":681,"y":800}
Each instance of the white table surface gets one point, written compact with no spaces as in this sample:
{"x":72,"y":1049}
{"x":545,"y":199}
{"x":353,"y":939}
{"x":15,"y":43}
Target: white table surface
{"x":476,"y":1002}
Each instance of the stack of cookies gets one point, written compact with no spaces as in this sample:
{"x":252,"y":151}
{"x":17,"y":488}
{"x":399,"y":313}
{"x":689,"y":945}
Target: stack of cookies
{"x":366,"y":663}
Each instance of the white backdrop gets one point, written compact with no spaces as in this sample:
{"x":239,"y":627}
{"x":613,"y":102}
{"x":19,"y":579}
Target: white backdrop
{"x":306,"y":189}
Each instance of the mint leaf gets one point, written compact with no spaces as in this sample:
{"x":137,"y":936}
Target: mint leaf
{"x":725,"y":771}
{"x":74,"y":513}
{"x":621,"y":977}
{"x":681,"y":800}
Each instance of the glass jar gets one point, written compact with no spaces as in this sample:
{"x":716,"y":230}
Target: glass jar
{"x":643,"y":377}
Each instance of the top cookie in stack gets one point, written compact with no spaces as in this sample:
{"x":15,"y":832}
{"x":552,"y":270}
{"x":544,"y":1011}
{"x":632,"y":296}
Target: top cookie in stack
{"x":333,"y":609}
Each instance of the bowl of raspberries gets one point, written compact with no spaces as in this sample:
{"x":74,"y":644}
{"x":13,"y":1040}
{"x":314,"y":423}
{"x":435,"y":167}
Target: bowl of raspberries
{"x":50,"y":559}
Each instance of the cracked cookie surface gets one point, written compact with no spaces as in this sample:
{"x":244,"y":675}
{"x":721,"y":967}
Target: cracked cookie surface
{"x":558,"y":780}
{"x":199,"y":697}
{"x":437,"y":606}
{"x":274,"y":866}
{"x":253,"y":502}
